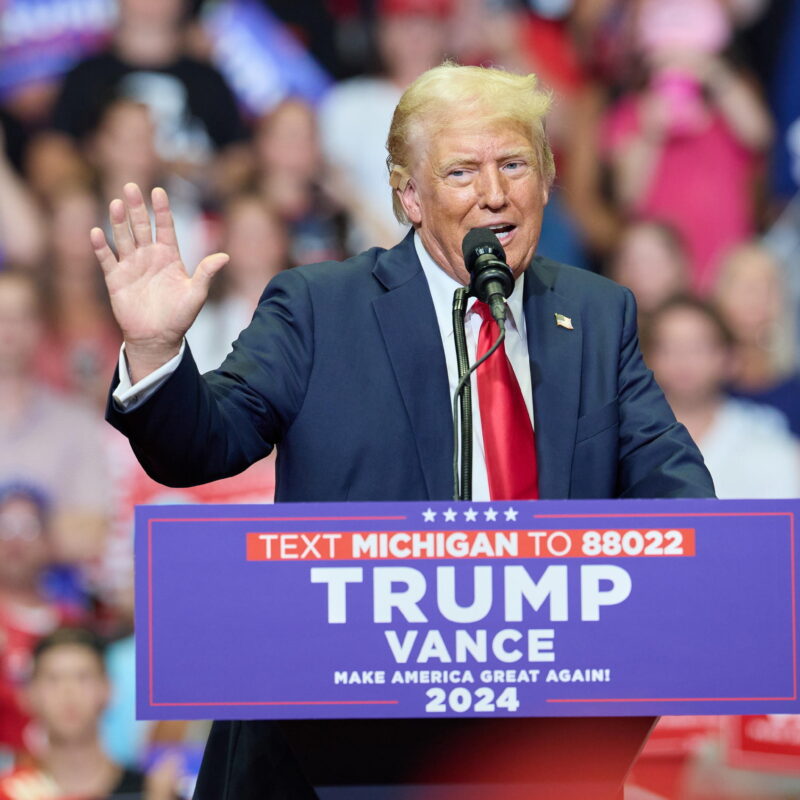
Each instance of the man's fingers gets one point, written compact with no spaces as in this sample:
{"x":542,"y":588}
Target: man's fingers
{"x":211,"y":265}
{"x":137,"y":212}
{"x":208,"y":268}
{"x":122,"y":231}
{"x":101,"y":249}
{"x":165,"y":227}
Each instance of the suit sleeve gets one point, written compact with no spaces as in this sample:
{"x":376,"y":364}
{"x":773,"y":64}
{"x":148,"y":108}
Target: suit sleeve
{"x":196,"y":429}
{"x":657,"y":457}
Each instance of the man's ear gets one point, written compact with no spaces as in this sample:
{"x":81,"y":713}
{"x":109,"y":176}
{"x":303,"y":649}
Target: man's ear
{"x":410,"y":202}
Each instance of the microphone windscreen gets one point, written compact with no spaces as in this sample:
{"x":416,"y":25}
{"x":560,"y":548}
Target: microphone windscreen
{"x":479,"y":242}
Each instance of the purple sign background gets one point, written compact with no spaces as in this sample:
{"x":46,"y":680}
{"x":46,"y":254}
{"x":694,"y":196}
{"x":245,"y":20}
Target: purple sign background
{"x":220,"y":636}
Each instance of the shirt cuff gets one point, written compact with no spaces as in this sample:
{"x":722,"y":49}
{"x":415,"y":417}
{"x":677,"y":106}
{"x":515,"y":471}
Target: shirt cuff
{"x":127,"y":395}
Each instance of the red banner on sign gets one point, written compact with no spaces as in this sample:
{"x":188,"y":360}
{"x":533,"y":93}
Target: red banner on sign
{"x":350,"y":545}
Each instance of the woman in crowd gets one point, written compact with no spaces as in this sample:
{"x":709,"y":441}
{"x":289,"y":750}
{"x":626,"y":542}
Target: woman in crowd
{"x":256,"y":239}
{"x":650,"y":259}
{"x":288,"y":176}
{"x":747,"y":447}
{"x":752,"y":297}
{"x":122,"y":148}
{"x":685,"y":146}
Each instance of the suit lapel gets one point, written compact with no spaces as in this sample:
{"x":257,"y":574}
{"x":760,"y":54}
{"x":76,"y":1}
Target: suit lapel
{"x":410,"y":332}
{"x":555,"y":356}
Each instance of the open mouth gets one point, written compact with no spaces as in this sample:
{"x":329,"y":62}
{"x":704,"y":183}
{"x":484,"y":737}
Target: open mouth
{"x":503,"y":232}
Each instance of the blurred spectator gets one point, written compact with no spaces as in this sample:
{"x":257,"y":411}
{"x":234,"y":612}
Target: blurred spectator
{"x":685,"y":146}
{"x":47,"y":440}
{"x":289,"y":166}
{"x":355,"y":116}
{"x":27,"y":612}
{"x":194,"y":112}
{"x":123,"y":148}
{"x":21,"y":225}
{"x":602,"y":33}
{"x":650,"y":259}
{"x":81,"y":341}
{"x":67,"y":693}
{"x":753,"y":300}
{"x":783,"y":241}
{"x":256,"y":240}
{"x":747,"y":447}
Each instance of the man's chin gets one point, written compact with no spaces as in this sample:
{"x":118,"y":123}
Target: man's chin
{"x":525,"y":261}
{"x":518,"y":266}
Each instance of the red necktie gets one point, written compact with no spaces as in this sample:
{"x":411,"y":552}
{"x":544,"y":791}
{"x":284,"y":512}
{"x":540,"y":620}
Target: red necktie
{"x":508,"y":439}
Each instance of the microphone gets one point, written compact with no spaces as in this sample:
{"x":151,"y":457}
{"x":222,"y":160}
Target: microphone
{"x":490,"y":277}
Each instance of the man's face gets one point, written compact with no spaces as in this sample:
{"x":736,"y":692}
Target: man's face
{"x":68,"y":693}
{"x":469,"y":177}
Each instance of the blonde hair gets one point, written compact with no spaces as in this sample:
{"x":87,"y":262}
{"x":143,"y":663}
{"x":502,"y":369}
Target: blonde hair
{"x":496,"y":96}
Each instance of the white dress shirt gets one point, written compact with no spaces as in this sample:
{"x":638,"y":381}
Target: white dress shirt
{"x":442,"y":287}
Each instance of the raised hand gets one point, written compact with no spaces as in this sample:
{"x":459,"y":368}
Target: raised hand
{"x":153,"y":298}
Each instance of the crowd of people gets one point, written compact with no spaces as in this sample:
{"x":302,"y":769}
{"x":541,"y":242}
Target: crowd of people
{"x":676,"y":132}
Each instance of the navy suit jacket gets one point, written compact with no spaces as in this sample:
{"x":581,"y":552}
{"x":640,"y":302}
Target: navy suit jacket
{"x":343,"y":369}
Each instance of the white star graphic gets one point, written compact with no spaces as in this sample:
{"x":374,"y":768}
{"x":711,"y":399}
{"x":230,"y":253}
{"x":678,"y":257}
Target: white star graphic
{"x":490,"y":514}
{"x":511,"y":514}
{"x":450,"y":515}
{"x":470,"y":515}
{"x":429,"y":515}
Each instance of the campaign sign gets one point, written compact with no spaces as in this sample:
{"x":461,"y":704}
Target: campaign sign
{"x":437,"y":609}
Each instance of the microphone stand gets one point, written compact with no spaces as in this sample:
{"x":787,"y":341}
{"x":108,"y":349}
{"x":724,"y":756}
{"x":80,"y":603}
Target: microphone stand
{"x":463,"y":395}
{"x":492,"y":281}
{"x":462,"y":489}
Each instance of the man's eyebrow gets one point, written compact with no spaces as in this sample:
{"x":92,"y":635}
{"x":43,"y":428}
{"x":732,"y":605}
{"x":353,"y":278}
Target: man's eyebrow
{"x":456,"y":161}
{"x":526,"y":153}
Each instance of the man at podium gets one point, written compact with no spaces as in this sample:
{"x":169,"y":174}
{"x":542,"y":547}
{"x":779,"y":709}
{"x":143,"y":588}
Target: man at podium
{"x":349,"y":368}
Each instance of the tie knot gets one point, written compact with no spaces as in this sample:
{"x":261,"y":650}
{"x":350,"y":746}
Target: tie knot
{"x":483,"y":311}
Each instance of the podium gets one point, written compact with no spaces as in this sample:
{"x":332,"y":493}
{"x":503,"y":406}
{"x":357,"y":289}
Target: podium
{"x":442,"y":650}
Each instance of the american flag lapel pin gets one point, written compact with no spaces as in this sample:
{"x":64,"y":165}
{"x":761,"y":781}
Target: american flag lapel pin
{"x":564,"y":322}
